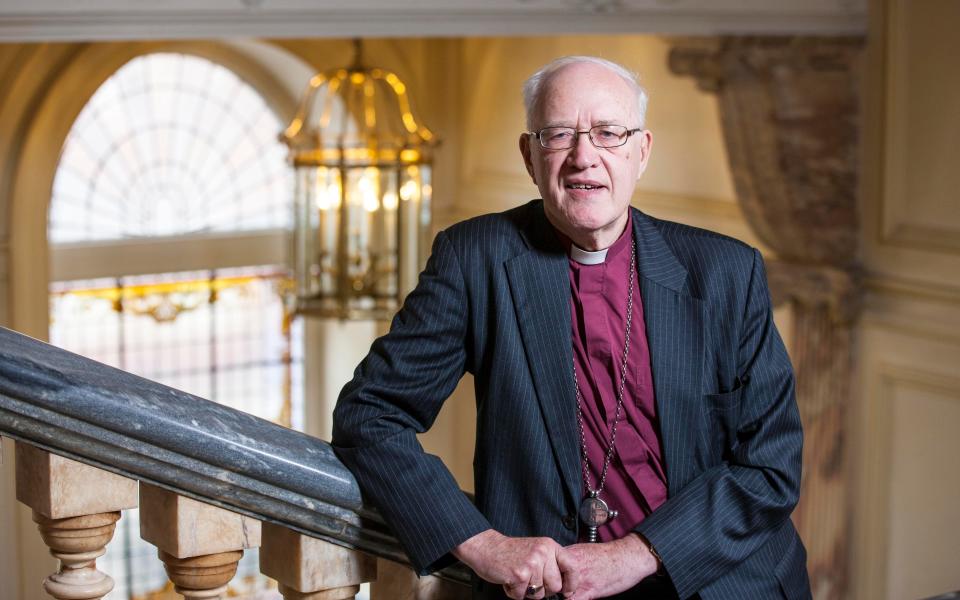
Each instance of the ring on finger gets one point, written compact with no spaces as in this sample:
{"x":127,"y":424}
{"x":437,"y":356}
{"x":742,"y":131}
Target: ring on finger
{"x":533,"y":590}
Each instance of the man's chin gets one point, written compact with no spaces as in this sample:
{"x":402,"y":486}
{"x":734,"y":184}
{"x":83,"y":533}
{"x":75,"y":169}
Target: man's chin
{"x":594,"y":221}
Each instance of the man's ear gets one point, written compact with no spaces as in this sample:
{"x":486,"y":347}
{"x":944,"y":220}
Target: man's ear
{"x":525,"y":151}
{"x":645,"y":146}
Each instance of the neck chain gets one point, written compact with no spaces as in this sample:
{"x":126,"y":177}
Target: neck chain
{"x":594,"y":512}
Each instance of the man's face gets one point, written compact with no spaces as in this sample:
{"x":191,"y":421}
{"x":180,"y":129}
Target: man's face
{"x":586,"y":190}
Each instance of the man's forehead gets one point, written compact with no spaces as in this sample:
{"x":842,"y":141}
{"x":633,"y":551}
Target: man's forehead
{"x":604,"y":95}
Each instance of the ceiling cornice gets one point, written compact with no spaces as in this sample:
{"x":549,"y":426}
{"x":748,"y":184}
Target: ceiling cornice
{"x":78,"y":20}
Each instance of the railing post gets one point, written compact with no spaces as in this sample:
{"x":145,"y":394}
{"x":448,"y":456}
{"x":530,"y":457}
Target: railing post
{"x":76,"y":508}
{"x":308,"y":568}
{"x":200,"y":544}
{"x":398,"y":582}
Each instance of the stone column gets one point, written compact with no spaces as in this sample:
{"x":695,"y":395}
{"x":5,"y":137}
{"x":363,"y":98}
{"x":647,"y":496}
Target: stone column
{"x":76,"y":507}
{"x":398,"y":582}
{"x":789,"y":108}
{"x":199,"y":544}
{"x":308,"y":568}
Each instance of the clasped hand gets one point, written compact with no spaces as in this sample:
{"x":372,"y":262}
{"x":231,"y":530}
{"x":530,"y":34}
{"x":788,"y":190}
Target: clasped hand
{"x":580,"y":571}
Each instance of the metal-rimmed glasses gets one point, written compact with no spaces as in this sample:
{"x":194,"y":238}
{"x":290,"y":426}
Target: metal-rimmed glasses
{"x":601,"y":136}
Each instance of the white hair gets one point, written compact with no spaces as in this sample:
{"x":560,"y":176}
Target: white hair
{"x":533,"y":87}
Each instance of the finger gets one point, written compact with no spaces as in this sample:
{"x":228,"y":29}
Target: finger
{"x":552,"y":578}
{"x":535,"y":586}
{"x":564,"y":559}
{"x":535,"y":591}
{"x":519,"y":578}
{"x":515,"y":591}
{"x":568,"y":572}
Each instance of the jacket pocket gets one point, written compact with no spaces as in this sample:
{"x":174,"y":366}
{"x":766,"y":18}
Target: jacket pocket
{"x":722,"y":413}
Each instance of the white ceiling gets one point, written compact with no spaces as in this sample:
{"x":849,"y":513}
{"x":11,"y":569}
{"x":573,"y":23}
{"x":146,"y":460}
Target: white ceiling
{"x":36,"y":20}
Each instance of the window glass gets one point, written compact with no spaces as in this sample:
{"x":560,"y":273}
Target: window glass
{"x":171,"y":144}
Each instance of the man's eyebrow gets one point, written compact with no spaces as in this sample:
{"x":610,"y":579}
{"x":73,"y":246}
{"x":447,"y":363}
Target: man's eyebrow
{"x":573,"y":125}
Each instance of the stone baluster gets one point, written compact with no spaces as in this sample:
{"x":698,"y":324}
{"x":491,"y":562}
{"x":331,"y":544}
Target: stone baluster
{"x":200,"y":544}
{"x":76,"y":507}
{"x":308,"y":568}
{"x":398,"y":582}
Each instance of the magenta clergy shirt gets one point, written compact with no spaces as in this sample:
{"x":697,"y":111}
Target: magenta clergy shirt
{"x":636,"y":479}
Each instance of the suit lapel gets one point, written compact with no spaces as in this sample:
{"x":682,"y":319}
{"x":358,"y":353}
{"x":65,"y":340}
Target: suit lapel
{"x":674,"y":321}
{"x":674,"y":324}
{"x":539,"y":285}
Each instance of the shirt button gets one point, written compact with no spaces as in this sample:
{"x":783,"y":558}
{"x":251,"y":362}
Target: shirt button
{"x":570,"y":522}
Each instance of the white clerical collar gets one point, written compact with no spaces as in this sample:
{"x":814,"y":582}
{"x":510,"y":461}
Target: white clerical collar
{"x":585,"y":257}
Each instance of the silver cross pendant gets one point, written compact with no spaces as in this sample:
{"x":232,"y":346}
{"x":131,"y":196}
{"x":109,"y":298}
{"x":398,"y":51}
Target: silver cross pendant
{"x":594,"y":512}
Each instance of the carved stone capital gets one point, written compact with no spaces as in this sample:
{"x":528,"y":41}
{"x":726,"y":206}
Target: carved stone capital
{"x":790,"y":113}
{"x":698,"y":58}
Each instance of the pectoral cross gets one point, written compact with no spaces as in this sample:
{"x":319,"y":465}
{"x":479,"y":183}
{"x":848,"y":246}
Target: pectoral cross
{"x":594,"y":512}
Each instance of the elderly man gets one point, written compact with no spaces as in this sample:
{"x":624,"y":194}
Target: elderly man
{"x":637,"y":432}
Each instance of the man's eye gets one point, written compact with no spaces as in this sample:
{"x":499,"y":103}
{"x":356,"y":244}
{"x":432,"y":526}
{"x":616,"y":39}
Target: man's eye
{"x":558,"y":135}
{"x":606,"y":134}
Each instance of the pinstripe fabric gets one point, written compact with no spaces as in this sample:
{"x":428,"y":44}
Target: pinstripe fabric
{"x":494,"y":301}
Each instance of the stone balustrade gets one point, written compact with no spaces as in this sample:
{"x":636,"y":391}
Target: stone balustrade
{"x":210,"y":482}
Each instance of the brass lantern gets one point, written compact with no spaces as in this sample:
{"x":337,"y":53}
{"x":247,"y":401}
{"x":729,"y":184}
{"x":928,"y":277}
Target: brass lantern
{"x":362,"y":161}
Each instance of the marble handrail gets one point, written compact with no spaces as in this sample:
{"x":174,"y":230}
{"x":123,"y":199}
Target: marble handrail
{"x":108,"y":418}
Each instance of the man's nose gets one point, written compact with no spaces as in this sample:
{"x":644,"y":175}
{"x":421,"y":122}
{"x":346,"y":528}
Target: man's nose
{"x":583,"y":154}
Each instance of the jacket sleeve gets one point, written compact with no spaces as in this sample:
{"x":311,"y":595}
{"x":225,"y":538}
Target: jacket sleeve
{"x":730,"y":510}
{"x":396,"y":392}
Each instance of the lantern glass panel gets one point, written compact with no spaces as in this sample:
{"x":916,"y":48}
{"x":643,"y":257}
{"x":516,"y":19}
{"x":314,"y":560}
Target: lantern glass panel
{"x":363,"y":215}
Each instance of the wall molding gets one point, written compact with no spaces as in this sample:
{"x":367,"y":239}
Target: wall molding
{"x":898,"y":232}
{"x":917,"y":309}
{"x":26,"y":20}
{"x":897,"y":227}
{"x":907,"y":288}
{"x":876,"y":428}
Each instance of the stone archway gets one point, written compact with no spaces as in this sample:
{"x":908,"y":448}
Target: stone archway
{"x":81,"y":69}
{"x":45,"y":86}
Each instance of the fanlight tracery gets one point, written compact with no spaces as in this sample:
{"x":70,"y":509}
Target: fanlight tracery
{"x":170,"y":144}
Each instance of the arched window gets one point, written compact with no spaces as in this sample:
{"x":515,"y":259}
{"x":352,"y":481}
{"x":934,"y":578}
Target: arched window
{"x":171,"y":144}
{"x":168,"y":227}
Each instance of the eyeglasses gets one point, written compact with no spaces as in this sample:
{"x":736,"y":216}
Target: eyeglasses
{"x":564,"y":138}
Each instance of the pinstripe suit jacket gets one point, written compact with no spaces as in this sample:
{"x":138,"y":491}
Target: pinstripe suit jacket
{"x":494,"y":301}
